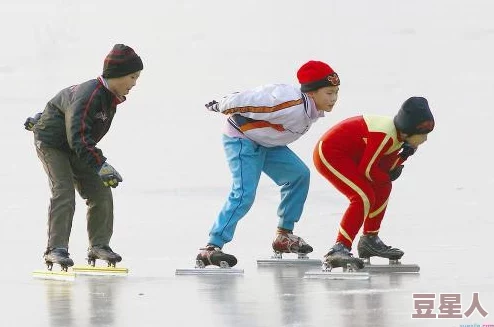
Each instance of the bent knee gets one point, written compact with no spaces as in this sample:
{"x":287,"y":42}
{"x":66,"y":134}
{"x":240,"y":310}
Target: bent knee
{"x":305,"y":172}
{"x":243,"y":198}
{"x":365,"y":198}
{"x":304,"y":175}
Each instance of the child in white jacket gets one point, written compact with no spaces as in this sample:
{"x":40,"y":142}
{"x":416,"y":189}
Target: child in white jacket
{"x":261,"y":122}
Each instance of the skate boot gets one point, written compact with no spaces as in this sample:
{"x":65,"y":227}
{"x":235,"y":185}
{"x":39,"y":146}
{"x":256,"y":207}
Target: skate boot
{"x":59,"y":256}
{"x":371,"y":245}
{"x":212,"y":255}
{"x":340,"y":256}
{"x":286,"y":242}
{"x":102,"y":252}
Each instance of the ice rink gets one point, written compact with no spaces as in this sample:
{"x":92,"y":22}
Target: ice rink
{"x":168,"y":148}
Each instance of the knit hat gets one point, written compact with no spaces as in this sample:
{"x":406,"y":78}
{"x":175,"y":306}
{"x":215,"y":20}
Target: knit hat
{"x":316,"y":74}
{"x":414,"y":117}
{"x":121,"y":61}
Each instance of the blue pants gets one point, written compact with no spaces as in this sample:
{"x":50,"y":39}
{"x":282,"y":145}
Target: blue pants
{"x":247,"y":160}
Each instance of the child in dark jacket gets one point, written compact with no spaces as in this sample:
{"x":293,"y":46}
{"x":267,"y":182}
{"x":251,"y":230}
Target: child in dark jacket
{"x":66,"y":134}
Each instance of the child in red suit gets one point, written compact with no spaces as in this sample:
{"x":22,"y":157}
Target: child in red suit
{"x":361,"y":156}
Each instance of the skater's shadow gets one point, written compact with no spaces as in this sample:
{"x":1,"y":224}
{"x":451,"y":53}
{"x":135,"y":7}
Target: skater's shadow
{"x":290,"y":293}
{"x":60,"y":303}
{"x":97,"y":295}
{"x":102,"y":294}
{"x":229,"y":299}
{"x":359,"y":302}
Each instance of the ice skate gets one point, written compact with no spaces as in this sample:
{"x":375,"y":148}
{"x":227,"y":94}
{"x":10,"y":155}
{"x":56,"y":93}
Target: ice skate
{"x":101,"y":252}
{"x":58,"y":256}
{"x":212,"y":256}
{"x":286,"y":242}
{"x":340,"y":256}
{"x":372,"y":246}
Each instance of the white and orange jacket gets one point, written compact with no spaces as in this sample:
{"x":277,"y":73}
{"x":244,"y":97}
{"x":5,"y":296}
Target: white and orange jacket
{"x":270,"y":115}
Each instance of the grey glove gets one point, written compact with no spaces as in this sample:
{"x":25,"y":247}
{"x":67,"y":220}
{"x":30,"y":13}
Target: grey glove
{"x":31,"y":121}
{"x":109,"y":175}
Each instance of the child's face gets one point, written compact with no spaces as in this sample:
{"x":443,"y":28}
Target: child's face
{"x":416,"y":139}
{"x":122,"y":85}
{"x":325,"y":97}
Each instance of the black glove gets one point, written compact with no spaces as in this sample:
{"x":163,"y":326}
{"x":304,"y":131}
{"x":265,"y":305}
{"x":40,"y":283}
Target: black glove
{"x":213,"y":106}
{"x":406,"y":151}
{"x":109,"y":175}
{"x":31,"y":121}
{"x":395,"y":173}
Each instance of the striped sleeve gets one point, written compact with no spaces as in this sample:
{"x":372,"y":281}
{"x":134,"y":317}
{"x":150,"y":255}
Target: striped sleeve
{"x":377,"y":145}
{"x":271,"y":103}
{"x":79,"y":119}
{"x":391,"y":161}
{"x":262,"y":109}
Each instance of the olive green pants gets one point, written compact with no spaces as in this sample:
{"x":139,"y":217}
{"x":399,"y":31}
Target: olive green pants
{"x":66,"y":173}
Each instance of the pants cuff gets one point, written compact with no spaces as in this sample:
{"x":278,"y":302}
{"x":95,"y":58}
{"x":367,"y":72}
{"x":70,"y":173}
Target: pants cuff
{"x":216,"y":240}
{"x":289,"y":225}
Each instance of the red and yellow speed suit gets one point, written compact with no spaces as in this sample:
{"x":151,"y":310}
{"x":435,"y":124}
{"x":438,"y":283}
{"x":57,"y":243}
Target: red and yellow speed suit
{"x":356,"y":156}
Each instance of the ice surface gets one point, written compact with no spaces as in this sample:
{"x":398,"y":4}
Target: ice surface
{"x":168,"y":149}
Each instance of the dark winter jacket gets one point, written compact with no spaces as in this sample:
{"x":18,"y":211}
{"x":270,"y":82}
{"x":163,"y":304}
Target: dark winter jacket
{"x":77,"y":118}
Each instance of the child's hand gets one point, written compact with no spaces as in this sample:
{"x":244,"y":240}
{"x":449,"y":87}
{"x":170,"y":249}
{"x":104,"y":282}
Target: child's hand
{"x":406,"y":151}
{"x":213,"y":106}
{"x":395,"y":173}
{"x":109,"y":175}
{"x":31,"y":121}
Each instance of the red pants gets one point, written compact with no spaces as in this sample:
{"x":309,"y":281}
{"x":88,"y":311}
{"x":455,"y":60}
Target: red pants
{"x":368,"y":201}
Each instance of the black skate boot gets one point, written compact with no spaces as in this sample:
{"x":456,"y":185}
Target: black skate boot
{"x":102,"y":252}
{"x":212,"y":255}
{"x":340,"y":256}
{"x":59,"y":256}
{"x":372,"y":246}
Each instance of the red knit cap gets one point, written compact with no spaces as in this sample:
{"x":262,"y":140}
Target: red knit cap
{"x":316,"y":74}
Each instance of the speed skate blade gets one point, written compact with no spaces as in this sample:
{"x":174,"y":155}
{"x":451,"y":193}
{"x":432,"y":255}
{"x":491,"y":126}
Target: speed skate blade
{"x":321,"y":274}
{"x":100,"y":271}
{"x":289,"y":262}
{"x":54,"y":275}
{"x":392,"y":268}
{"x":210,"y":271}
